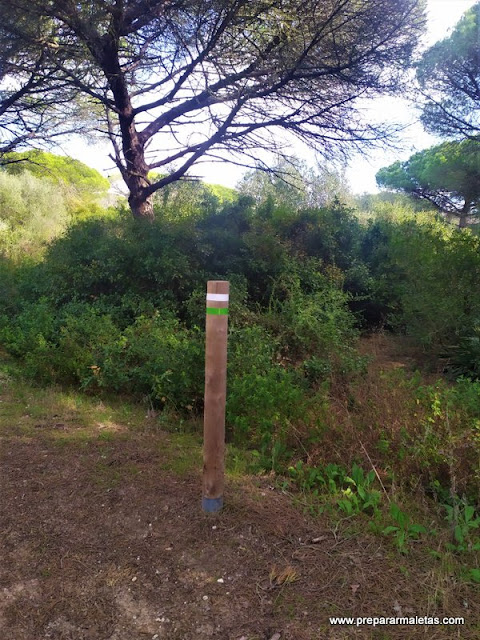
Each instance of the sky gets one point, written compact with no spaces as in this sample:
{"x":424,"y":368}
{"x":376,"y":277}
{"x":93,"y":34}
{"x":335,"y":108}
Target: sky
{"x":442,"y":15}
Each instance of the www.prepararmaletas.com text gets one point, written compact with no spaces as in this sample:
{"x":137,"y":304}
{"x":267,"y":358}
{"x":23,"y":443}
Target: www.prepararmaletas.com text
{"x":391,"y":620}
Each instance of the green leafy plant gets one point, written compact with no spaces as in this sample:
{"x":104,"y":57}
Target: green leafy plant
{"x":359,"y":495}
{"x":403,"y":530}
{"x":466,"y":526}
{"x":335,"y":477}
{"x":474,"y":575}
{"x":353,"y":493}
{"x":307,"y":478}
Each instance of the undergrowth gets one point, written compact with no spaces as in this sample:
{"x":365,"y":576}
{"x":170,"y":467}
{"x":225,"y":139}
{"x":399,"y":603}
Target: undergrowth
{"x":115,"y":308}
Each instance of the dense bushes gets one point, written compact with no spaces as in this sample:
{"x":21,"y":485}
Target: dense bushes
{"x":117,"y":306}
{"x":299,"y":274}
{"x":426,"y":277}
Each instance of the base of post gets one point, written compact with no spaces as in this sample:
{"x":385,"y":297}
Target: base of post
{"x":212,"y":505}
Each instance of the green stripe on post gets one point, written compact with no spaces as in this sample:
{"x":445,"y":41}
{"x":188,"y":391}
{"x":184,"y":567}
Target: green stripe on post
{"x":217,"y":311}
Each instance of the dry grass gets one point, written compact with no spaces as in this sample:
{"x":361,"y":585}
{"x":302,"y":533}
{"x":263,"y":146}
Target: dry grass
{"x":376,"y":421}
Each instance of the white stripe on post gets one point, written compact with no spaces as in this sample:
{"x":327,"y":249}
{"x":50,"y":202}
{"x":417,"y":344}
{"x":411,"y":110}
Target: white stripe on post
{"x":217,"y":297}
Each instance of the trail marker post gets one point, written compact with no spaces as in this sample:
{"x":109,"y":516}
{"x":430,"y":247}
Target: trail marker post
{"x":215,"y":395}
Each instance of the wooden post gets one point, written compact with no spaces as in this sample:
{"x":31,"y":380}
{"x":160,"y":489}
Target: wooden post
{"x":215,"y":394}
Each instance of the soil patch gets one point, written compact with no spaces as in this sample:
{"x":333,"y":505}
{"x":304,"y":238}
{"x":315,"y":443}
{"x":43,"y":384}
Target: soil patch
{"x":100,"y":542}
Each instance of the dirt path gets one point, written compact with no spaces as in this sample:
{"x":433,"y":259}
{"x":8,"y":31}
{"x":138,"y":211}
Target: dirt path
{"x":99,"y":543}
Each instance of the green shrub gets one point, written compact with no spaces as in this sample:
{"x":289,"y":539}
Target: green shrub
{"x":113,"y":259}
{"x":446,"y":443}
{"x":32,"y":213}
{"x":84,"y":336}
{"x":57,"y":347}
{"x":34,"y":326}
{"x":262,"y":411}
{"x":157,"y":358}
{"x":314,"y":325}
{"x":250,"y":349}
{"x":428,"y":277}
{"x":463,"y":359}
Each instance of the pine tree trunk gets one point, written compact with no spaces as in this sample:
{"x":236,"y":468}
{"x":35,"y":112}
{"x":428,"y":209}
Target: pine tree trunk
{"x":141,"y":206}
{"x":462,"y":223}
{"x":135,"y":171}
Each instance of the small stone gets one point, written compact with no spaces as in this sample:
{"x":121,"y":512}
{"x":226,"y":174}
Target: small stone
{"x":221,"y":580}
{"x":214,"y":527}
{"x":205,"y":597}
{"x":134,"y":579}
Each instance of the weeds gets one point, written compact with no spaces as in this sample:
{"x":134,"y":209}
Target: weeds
{"x":360,"y":495}
{"x":403,"y":530}
{"x":352,"y":493}
{"x":465,"y":526}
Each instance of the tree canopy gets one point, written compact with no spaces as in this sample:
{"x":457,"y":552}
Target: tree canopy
{"x":37,"y":103}
{"x":294,"y":185}
{"x":449,"y":75}
{"x":447,"y":175}
{"x":180,"y":81}
{"x":85,"y":180}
